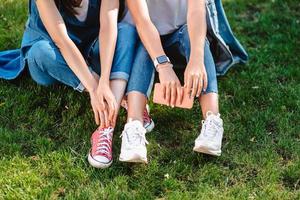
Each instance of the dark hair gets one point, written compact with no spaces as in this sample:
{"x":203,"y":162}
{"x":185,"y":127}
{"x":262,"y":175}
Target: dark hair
{"x":68,"y":5}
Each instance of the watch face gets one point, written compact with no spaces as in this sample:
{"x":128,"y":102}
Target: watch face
{"x":162,"y":59}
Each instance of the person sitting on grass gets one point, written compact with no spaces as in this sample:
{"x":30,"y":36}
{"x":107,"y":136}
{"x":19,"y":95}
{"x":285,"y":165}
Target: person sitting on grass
{"x":73,"y":42}
{"x":162,"y":24}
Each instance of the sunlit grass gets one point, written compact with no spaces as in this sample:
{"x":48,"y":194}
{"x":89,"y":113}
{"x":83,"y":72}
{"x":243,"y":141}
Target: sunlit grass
{"x":44,"y":132}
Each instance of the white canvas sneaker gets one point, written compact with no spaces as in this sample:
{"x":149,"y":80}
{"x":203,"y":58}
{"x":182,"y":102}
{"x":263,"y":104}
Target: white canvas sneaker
{"x":133,"y":148}
{"x":148,"y":122}
{"x":210,"y":139}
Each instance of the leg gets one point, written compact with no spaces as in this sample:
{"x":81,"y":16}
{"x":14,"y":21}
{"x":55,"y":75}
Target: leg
{"x":140,"y":84}
{"x":123,"y":59}
{"x":209,"y":99}
{"x":134,"y":142}
{"x":101,"y":154}
{"x":210,"y":139}
{"x":47,"y":66}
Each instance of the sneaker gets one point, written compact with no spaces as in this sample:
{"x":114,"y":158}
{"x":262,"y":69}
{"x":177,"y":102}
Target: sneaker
{"x":210,"y":139}
{"x":100,"y":155}
{"x":133,"y":148}
{"x":148,"y":122}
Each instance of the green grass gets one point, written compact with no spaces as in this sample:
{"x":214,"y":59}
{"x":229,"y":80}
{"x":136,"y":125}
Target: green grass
{"x":44,"y":132}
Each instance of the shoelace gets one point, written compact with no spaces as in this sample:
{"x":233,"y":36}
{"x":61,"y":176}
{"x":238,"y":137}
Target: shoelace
{"x":210,"y":127}
{"x":104,"y":141}
{"x":137,"y":136}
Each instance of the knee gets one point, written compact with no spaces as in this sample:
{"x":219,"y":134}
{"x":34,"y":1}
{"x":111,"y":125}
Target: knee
{"x":127,"y":35}
{"x":127,"y":28}
{"x":42,"y":52}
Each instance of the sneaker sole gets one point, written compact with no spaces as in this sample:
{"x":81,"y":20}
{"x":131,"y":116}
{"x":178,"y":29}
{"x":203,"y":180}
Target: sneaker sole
{"x":205,"y":150}
{"x":150,"y":127}
{"x":134,"y":159}
{"x":97,"y":164}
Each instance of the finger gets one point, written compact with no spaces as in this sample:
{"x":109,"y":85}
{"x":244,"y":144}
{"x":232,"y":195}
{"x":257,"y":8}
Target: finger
{"x":189,"y":84}
{"x":102,"y":119}
{"x":173,"y":93}
{"x":185,"y":80}
{"x":205,"y":82}
{"x":200,"y":86}
{"x":168,"y":94}
{"x":195,"y":85}
{"x":115,"y":113}
{"x":164,"y":90}
{"x":96,"y":116}
{"x":180,"y":94}
{"x":106,"y":116}
{"x":111,"y":110}
{"x":199,"y":90}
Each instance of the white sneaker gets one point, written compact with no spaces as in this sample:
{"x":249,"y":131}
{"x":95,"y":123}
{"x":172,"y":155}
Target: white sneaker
{"x":210,"y":139}
{"x":148,"y":122}
{"x":133,"y":148}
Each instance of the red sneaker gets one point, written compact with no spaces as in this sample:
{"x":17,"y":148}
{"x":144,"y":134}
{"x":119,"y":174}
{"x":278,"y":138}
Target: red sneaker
{"x":100,"y":155}
{"x":148,"y":122}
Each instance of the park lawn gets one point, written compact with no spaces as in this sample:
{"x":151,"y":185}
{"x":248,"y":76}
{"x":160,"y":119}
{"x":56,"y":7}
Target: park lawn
{"x":44,"y":132}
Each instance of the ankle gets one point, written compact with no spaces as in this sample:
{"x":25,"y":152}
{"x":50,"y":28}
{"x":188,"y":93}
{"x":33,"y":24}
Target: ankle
{"x":209,"y":113}
{"x":131,"y":119}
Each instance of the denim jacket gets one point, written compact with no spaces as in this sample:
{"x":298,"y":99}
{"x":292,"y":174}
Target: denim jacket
{"x":83,"y":34}
{"x":226,"y":49}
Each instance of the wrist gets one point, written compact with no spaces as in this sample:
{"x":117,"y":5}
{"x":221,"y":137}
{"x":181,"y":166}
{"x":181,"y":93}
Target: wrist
{"x":197,"y":59}
{"x":92,"y":88}
{"x":104,"y":80}
{"x":163,"y":67}
{"x":196,"y":62}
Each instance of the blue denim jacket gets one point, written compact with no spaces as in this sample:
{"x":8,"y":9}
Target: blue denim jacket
{"x":226,"y":49}
{"x":83,"y":34}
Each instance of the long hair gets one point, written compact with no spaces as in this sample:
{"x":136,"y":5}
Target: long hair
{"x":68,"y":5}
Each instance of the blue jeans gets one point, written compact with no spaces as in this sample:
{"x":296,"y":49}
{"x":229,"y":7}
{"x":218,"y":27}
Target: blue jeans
{"x":142,"y":75}
{"x":47,"y":65}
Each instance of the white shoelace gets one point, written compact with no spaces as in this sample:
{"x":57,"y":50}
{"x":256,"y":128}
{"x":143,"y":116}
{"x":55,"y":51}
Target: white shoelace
{"x":102,"y":142}
{"x":135,"y":136}
{"x":210,"y":127}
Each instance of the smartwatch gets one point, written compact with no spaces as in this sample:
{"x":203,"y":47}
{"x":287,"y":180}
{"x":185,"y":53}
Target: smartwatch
{"x":161,"y":60}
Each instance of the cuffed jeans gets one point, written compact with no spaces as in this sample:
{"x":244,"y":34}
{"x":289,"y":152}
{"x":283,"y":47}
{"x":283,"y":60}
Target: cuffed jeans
{"x":143,"y":71}
{"x":47,"y":65}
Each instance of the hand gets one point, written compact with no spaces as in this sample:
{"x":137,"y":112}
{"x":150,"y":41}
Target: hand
{"x":108,"y":104}
{"x":171,"y":85}
{"x":195,"y":79}
{"x":103,"y":104}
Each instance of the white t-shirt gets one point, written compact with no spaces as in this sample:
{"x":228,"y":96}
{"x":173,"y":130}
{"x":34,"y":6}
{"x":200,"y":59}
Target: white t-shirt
{"x":167,"y":15}
{"x":82,"y":10}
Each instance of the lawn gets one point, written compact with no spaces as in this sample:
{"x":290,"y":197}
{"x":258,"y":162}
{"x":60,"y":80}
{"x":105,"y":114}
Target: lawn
{"x":44,"y":132}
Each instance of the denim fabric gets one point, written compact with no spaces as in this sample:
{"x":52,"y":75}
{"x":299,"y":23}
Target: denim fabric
{"x":226,"y":49}
{"x":10,"y":64}
{"x":142,"y":77}
{"x":47,"y":65}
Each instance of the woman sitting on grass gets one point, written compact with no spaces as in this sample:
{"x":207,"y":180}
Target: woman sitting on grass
{"x":162,"y":24}
{"x":66,"y":41}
